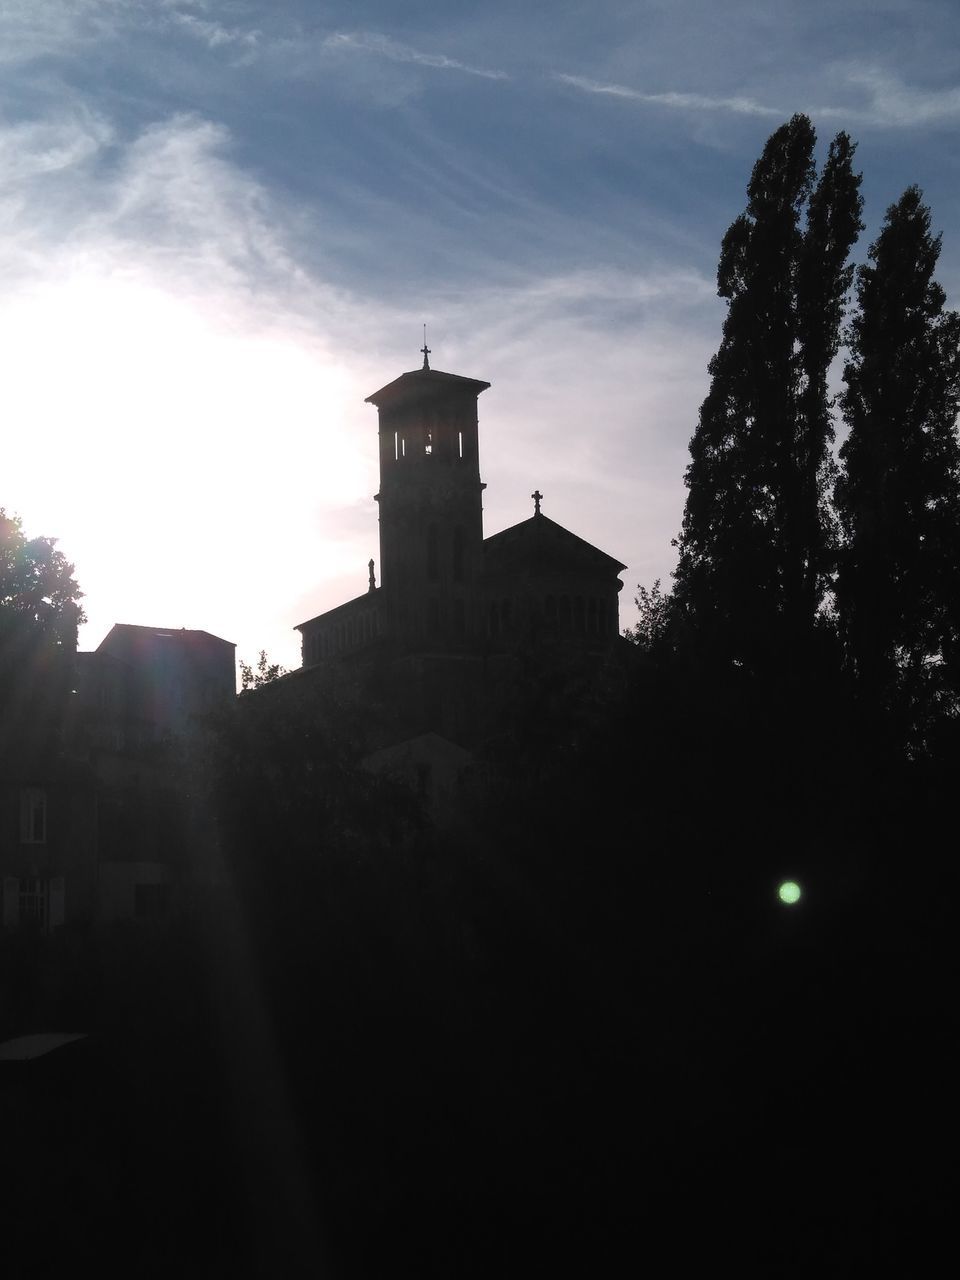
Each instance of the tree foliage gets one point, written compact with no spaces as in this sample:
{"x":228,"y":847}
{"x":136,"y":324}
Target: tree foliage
{"x":39,"y":609}
{"x":756,"y":542}
{"x":898,"y":496}
{"x":265,"y":672}
{"x":39,"y":596}
{"x":651,"y":631}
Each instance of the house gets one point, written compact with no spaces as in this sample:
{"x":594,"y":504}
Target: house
{"x":94,"y":822}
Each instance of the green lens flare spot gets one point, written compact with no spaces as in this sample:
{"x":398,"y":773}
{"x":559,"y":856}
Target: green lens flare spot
{"x":789,"y":892}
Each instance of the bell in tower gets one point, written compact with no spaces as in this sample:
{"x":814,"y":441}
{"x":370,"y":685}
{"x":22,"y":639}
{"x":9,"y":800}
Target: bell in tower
{"x":431,"y":514}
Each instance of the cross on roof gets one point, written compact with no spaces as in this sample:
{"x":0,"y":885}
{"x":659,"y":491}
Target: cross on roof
{"x":425,"y":349}
{"x":537,"y":497}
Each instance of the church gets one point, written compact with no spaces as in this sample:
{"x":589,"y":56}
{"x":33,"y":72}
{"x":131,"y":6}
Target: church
{"x":457,"y":617}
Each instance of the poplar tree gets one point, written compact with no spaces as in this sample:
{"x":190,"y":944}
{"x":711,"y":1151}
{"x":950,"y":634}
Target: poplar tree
{"x":756,"y":542}
{"x":898,"y":495}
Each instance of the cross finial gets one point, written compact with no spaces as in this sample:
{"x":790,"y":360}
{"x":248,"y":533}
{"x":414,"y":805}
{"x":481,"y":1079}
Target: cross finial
{"x":425,"y":349}
{"x":537,"y":497}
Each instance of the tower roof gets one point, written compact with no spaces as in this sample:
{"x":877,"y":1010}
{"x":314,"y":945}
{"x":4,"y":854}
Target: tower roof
{"x":423,"y":384}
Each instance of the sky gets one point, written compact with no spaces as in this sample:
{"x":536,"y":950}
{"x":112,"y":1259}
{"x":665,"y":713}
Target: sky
{"x":223,"y":224}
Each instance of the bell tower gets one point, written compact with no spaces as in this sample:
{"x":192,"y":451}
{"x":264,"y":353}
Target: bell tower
{"x":431,"y":514}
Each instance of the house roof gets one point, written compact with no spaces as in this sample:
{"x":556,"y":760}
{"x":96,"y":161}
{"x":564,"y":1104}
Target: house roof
{"x":422,"y":384}
{"x":343,"y":610}
{"x":541,"y":541}
{"x":123,"y":631}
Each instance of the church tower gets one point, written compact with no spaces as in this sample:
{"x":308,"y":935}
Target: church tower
{"x":431,"y":513}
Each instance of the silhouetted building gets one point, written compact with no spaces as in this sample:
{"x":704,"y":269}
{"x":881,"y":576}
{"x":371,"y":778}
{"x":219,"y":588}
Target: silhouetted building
{"x":95,"y":822}
{"x":458,"y":617}
{"x":143,"y":684}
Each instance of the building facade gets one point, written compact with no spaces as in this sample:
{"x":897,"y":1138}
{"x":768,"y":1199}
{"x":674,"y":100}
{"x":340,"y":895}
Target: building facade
{"x":453,"y":608}
{"x":95,"y":824}
{"x":444,"y":587}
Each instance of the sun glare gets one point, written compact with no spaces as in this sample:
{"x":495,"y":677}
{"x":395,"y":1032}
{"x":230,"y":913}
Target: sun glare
{"x":180,"y":454}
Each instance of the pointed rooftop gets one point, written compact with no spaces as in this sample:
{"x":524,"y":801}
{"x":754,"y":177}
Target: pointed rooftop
{"x":423,"y":384}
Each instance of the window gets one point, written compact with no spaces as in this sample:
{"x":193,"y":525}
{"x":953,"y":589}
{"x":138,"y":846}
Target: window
{"x":460,"y":440}
{"x":428,"y":447}
{"x":458,"y":550}
{"x":33,"y":816}
{"x":33,"y":904}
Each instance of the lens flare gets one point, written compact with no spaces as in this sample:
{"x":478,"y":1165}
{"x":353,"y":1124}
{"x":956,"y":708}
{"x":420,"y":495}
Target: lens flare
{"x":789,"y":892}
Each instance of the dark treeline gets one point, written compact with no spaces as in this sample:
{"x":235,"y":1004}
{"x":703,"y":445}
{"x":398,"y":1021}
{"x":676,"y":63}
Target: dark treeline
{"x":572,"y":1027}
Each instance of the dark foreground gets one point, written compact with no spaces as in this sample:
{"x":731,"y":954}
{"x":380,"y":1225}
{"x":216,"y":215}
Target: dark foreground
{"x":684,"y":1075}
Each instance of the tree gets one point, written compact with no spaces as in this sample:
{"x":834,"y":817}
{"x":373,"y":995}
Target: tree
{"x":898,"y":496}
{"x":755,"y":546}
{"x":265,"y":673}
{"x":39,"y":615}
{"x":650,"y":634}
{"x":39,"y":598}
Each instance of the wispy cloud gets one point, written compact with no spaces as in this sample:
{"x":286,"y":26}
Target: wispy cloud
{"x":676,"y":101}
{"x":37,"y":147}
{"x":890,"y":103}
{"x":385,"y":47}
{"x":213,"y":34}
{"x":894,"y":104}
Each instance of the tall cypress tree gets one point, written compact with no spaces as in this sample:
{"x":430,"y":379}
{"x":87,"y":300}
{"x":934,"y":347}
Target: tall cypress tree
{"x":755,"y":543}
{"x":898,"y":496}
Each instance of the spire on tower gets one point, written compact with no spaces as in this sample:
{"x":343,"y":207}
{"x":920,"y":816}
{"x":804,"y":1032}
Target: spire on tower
{"x":426,"y":350}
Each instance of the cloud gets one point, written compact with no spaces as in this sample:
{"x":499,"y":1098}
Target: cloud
{"x":892,"y":103}
{"x":385,"y":47}
{"x":33,"y":148}
{"x":214,"y":34}
{"x":675,"y":101}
